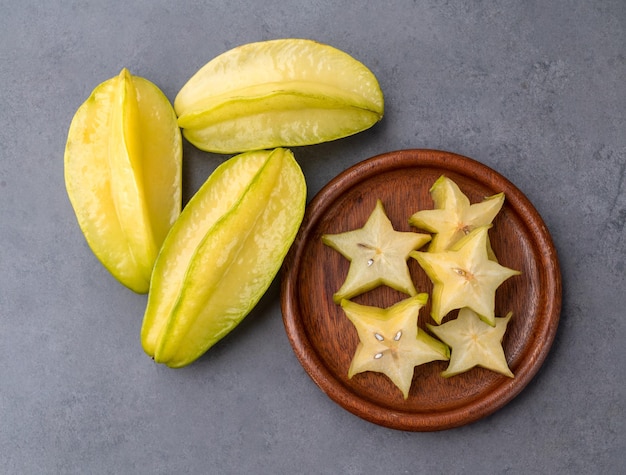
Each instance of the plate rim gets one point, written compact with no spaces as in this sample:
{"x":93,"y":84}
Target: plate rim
{"x":306,"y":353}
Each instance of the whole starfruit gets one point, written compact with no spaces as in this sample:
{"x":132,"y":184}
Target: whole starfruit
{"x":123,"y":161}
{"x":222,"y":254}
{"x":285,"y":92}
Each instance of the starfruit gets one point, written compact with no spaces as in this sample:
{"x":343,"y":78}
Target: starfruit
{"x":285,"y":92}
{"x":390,"y":341}
{"x":377,"y":255}
{"x":474,"y":343}
{"x":123,"y":162}
{"x":464,"y":276}
{"x":222,"y":254}
{"x":453,"y":216}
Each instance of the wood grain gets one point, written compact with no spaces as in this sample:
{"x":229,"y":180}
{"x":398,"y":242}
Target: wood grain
{"x":323,"y":338}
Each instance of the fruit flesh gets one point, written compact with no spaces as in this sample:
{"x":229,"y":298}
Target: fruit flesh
{"x":285,"y":92}
{"x":474,"y":343}
{"x":464,"y":277}
{"x":390,"y":341}
{"x":377,"y":255}
{"x":225,"y":266}
{"x":123,"y":161}
{"x":454,"y":216}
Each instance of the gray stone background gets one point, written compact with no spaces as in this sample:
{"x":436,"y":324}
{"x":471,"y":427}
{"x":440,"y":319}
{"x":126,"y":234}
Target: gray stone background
{"x":534,"y":89}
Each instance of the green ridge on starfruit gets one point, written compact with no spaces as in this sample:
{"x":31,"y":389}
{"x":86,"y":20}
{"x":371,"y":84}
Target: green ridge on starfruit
{"x":222,"y":254}
{"x":123,"y":169}
{"x":284,"y":92}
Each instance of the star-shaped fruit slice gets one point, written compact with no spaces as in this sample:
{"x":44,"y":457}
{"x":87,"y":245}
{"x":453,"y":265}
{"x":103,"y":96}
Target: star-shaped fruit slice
{"x":377,"y":255}
{"x":454,"y":216}
{"x":474,"y":343}
{"x":390,"y":341}
{"x":464,"y":277}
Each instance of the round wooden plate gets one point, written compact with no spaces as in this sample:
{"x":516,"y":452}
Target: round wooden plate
{"x":324,"y":340}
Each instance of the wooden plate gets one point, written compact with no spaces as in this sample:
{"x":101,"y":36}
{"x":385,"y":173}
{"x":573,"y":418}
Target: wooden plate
{"x":324,"y":340}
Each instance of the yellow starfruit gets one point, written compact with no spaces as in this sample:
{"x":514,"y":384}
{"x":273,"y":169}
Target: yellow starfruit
{"x":123,"y":169}
{"x":278,"y":93}
{"x":222,"y":254}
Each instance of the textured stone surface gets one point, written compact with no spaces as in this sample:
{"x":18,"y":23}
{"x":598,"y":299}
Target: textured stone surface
{"x":535,"y":90}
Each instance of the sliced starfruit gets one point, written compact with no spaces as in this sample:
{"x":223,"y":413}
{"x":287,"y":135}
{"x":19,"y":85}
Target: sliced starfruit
{"x":390,"y":341}
{"x":278,"y":93}
{"x":464,"y":277}
{"x":453,"y":216}
{"x":377,"y":255}
{"x":474,"y":343}
{"x":222,"y":254}
{"x":123,"y":161}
